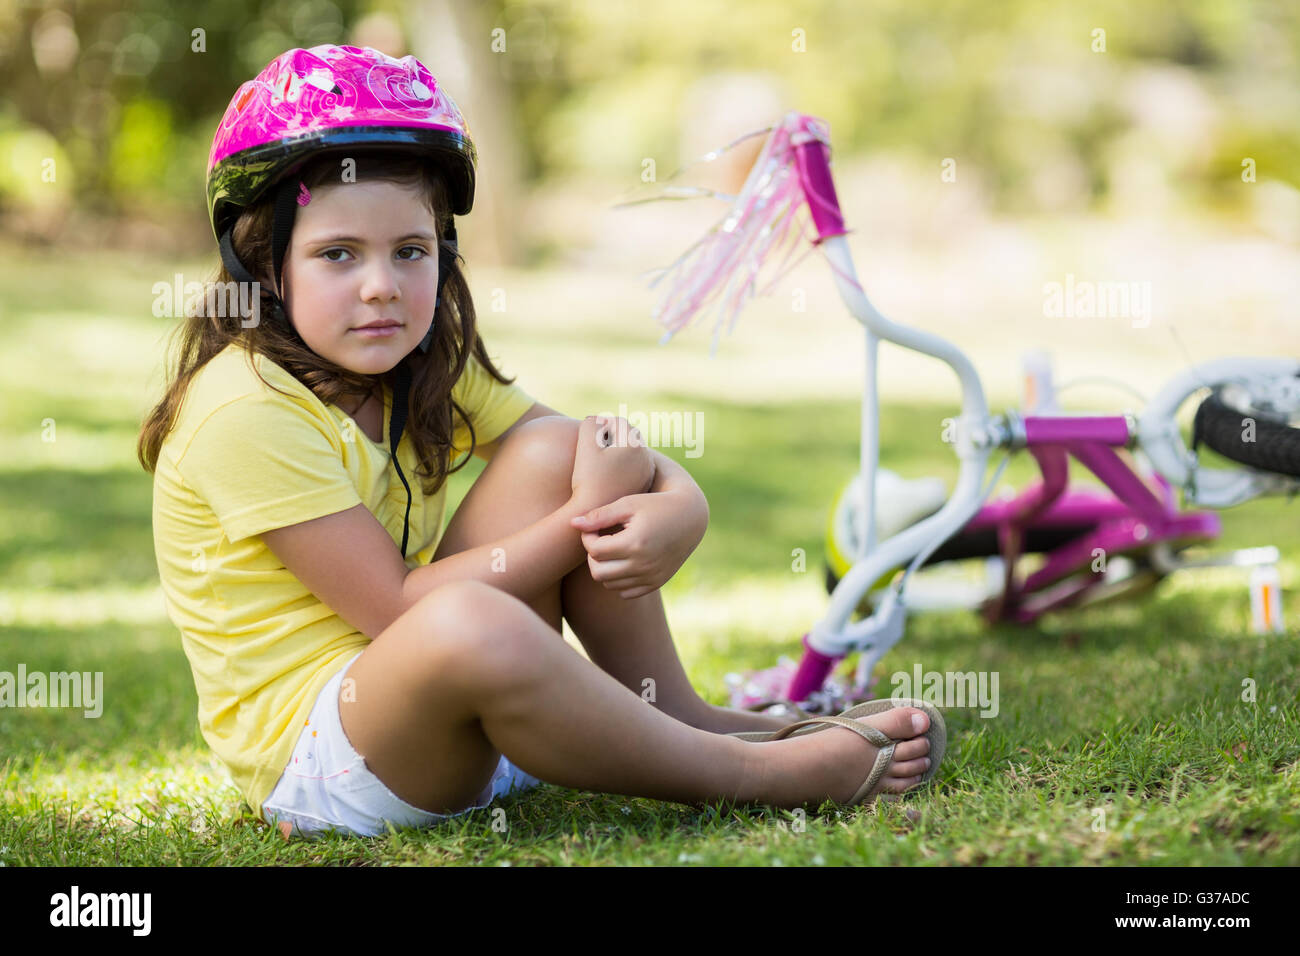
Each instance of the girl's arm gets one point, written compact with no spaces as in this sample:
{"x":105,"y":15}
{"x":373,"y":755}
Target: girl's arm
{"x":532,"y":559}
{"x":670,"y":476}
{"x":689,"y":509}
{"x":349,"y":561}
{"x":693,"y":514}
{"x":659,"y":532}
{"x":525,"y":566}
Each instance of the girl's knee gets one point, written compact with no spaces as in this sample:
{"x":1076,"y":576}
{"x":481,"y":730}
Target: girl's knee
{"x":480,"y":632}
{"x":545,"y":445}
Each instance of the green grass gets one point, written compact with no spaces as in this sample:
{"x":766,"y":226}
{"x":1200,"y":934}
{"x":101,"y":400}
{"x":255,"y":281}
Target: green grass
{"x":1131,"y":712}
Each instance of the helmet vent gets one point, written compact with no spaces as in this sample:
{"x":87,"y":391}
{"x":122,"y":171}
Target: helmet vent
{"x":322,"y":80}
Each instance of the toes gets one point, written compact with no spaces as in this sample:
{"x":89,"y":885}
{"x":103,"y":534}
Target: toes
{"x":899,"y":784}
{"x":908,"y":768}
{"x":911,"y":749}
{"x":919,"y":720}
{"x":898,"y":722}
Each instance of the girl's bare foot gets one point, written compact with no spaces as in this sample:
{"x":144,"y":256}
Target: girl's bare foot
{"x":833,"y":763}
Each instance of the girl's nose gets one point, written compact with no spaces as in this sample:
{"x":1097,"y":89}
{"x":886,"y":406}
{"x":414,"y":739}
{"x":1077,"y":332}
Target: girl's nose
{"x":380,"y":283}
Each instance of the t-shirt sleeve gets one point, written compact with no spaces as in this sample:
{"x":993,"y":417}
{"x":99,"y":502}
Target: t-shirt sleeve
{"x":262,"y":464}
{"x":491,"y":406}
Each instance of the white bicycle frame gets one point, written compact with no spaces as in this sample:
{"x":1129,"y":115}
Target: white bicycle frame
{"x":978,"y":434}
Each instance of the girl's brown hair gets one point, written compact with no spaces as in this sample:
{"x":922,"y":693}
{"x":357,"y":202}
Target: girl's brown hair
{"x":432,"y":412}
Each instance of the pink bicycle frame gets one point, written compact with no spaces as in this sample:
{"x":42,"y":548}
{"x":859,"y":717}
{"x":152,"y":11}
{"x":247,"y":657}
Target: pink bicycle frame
{"x":1135,"y":518}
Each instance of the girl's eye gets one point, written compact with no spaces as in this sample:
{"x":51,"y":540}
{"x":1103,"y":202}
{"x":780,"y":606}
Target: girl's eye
{"x":326,"y":255}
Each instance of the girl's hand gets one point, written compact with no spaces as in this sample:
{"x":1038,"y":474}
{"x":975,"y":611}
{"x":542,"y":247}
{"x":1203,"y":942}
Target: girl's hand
{"x":611,"y":461}
{"x":659,"y":531}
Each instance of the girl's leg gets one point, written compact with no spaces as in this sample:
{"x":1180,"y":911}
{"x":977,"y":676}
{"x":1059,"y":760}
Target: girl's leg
{"x":520,"y":485}
{"x":630,"y":641}
{"x":528,"y":478}
{"x":470,"y":671}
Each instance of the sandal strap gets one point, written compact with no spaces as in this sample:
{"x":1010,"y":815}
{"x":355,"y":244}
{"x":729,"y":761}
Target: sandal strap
{"x":883,"y":761}
{"x":877,"y":737}
{"x":799,"y":712}
{"x":884,"y":756}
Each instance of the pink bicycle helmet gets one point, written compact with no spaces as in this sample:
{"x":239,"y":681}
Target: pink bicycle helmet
{"x":338,"y":99}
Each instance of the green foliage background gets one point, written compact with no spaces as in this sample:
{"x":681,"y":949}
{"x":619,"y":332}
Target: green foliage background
{"x":596,"y":86}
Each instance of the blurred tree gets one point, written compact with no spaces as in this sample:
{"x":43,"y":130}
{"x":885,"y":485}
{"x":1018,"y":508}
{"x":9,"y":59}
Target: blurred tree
{"x":582,"y":88}
{"x":151,"y":73}
{"x":461,"y":43}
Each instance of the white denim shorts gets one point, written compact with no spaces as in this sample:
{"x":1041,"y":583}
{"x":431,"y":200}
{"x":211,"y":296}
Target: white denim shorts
{"x":327,"y":785}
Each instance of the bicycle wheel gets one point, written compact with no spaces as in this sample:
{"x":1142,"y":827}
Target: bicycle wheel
{"x":965,"y":571}
{"x":967,"y":547}
{"x":1243,"y":431}
{"x":900,"y":503}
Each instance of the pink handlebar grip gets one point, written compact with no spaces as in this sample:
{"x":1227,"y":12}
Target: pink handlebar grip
{"x":811,"y":675}
{"x":812,"y":160}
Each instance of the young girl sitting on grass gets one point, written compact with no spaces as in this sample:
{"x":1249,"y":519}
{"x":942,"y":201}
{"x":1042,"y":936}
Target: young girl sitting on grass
{"x":356,"y":666}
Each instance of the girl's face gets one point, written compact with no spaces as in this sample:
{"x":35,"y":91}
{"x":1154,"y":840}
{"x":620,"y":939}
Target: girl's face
{"x":362,"y":252}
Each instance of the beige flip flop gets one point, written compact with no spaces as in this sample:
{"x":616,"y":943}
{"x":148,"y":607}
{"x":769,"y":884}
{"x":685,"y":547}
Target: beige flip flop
{"x":793,"y":710}
{"x":937,"y":734}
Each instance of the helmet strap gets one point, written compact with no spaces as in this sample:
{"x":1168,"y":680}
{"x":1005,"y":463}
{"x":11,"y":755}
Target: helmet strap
{"x":281,"y":229}
{"x":396,"y":425}
{"x":286,"y":207}
{"x":230,"y":260}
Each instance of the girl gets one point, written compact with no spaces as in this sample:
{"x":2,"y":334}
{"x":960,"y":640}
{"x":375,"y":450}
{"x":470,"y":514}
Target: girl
{"x":355,"y":666}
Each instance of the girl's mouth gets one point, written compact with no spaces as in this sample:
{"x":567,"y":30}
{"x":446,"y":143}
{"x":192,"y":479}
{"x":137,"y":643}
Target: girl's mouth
{"x":377,"y":331}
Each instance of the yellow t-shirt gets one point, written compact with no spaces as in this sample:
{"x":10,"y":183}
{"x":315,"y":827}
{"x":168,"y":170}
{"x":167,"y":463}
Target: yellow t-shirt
{"x":242,"y":459}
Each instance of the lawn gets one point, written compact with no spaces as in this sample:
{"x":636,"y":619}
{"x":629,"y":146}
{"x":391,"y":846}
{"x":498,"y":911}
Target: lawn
{"x":1127,"y":734}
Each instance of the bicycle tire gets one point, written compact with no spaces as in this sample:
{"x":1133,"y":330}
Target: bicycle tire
{"x":1275,"y":448}
{"x":984,"y":544}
